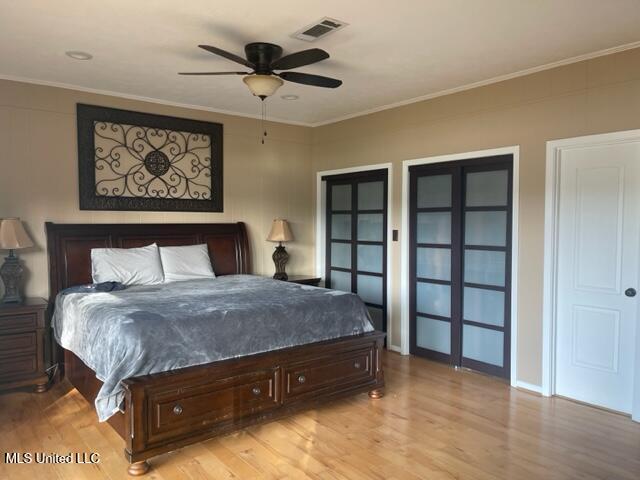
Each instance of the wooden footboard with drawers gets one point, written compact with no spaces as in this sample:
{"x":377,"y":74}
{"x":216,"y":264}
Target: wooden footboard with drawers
{"x":166,"y":411}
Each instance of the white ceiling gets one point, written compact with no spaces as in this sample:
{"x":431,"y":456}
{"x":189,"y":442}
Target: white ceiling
{"x":392,"y":51}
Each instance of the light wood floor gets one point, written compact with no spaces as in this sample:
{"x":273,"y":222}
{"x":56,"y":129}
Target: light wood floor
{"x":434,"y":423}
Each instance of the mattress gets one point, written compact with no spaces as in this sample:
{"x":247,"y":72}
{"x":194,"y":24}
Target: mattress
{"x":158,"y":328}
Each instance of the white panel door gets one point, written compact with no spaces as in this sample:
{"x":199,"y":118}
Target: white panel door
{"x":598,"y":261}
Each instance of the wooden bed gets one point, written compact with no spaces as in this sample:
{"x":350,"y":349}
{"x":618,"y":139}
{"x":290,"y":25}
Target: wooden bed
{"x":169,"y":410}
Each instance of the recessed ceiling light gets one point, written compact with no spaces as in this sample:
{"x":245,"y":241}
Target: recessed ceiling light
{"x":78,"y":55}
{"x":290,"y":97}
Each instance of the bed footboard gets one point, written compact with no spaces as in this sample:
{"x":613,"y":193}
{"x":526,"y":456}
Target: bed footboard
{"x":169,"y":410}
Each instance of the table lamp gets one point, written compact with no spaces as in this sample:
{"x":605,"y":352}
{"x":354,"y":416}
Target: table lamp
{"x":12,"y":237}
{"x":280,"y":232}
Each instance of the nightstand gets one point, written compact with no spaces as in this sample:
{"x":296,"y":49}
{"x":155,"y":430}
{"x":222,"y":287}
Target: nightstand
{"x":22,"y":345}
{"x":304,"y":280}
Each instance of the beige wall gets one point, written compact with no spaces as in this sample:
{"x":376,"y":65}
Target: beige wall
{"x":38,"y":164}
{"x":596,"y":96}
{"x":39,"y":174}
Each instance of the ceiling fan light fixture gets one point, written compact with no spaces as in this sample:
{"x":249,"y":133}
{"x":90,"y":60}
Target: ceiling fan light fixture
{"x":263,"y":86}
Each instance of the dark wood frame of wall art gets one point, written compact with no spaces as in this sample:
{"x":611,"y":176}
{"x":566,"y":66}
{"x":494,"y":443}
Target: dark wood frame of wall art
{"x":88,"y":114}
{"x":169,"y":410}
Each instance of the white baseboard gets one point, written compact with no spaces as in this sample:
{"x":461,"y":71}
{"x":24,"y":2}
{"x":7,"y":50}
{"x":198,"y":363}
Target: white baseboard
{"x":529,"y":386}
{"x":394,"y":348}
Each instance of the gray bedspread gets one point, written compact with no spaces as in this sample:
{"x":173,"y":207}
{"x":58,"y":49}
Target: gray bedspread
{"x":149,"y":329}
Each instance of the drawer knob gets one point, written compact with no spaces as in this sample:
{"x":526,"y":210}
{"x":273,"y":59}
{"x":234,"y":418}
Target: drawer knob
{"x":356,"y":364}
{"x":256,"y":391}
{"x":177,"y":410}
{"x":302,"y":379}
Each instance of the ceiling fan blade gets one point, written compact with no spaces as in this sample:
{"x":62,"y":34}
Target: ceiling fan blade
{"x":299,"y":59}
{"x":228,"y":55}
{"x":213,"y":73}
{"x":308,"y":79}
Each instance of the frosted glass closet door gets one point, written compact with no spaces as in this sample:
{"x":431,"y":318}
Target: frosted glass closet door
{"x":356,"y":241}
{"x":340,"y":228}
{"x":432,"y":263}
{"x":370,"y":251}
{"x":486,"y":238}
{"x":460,"y":262}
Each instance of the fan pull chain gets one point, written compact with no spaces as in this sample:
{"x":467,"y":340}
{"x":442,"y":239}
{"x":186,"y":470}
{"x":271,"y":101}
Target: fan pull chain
{"x":263,"y":120}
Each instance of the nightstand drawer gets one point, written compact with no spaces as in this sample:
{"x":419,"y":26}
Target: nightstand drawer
{"x":24,"y":341}
{"x":18,"y":322}
{"x":18,"y":344}
{"x":18,"y":366}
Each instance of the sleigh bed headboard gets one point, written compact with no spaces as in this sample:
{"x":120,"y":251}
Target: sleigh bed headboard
{"x":69,"y":246}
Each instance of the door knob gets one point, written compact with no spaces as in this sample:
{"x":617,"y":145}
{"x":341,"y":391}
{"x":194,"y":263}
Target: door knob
{"x":630,"y":292}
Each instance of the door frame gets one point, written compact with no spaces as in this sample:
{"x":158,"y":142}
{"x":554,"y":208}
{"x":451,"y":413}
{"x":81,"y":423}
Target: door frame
{"x":404,"y":289}
{"x":551,"y":227}
{"x":321,"y":208}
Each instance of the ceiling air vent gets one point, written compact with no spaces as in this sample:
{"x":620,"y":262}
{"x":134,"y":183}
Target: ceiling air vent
{"x":319,"y":29}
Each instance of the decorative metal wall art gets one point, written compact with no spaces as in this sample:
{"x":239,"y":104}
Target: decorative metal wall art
{"x":138,"y":161}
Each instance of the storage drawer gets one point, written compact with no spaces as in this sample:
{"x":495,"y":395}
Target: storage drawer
{"x":18,"y":366}
{"x":329,"y":373}
{"x":184,"y":409}
{"x":18,"y":344}
{"x":18,"y":322}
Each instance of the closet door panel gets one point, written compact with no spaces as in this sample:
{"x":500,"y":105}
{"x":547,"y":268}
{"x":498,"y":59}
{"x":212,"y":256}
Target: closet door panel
{"x":370,"y":289}
{"x":434,"y":227}
{"x":341,"y":197}
{"x":434,"y":191}
{"x":486,"y":268}
{"x":433,"y":299}
{"x":433,"y":335}
{"x":356,"y":238}
{"x":340,"y":227}
{"x":460,"y":262}
{"x":487,"y":189}
{"x":483,"y":306}
{"x":371,"y":195}
{"x":432,"y":266}
{"x":341,"y":281}
{"x":486,"y":228}
{"x":371,"y":227}
{"x":370,"y":258}
{"x":341,"y":255}
{"x":434,"y":263}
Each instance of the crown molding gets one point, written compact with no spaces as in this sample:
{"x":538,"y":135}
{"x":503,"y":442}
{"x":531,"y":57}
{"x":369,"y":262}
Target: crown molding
{"x":483,"y":83}
{"x":141,"y":98}
{"x":422,"y":98}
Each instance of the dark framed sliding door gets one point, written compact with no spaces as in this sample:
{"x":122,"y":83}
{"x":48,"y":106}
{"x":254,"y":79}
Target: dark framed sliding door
{"x":356,"y":238}
{"x":460,"y":262}
{"x":434,"y":267}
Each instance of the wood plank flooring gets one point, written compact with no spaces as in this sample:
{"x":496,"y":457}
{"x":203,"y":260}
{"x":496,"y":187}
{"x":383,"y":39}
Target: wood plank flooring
{"x":434,"y":423}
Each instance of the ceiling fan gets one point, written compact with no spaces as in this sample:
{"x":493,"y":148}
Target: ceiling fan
{"x":264,"y":59}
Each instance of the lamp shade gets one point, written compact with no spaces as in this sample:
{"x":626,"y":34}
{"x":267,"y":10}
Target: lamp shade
{"x":13,"y":235}
{"x":263,"y":86}
{"x":280,"y":231}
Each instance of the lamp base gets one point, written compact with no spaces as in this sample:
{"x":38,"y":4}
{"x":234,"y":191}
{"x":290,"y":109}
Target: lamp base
{"x":280,"y":259}
{"x":11,"y":273}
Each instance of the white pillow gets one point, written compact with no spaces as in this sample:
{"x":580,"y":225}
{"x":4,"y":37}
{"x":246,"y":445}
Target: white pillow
{"x":186,"y":263}
{"x":129,"y":266}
